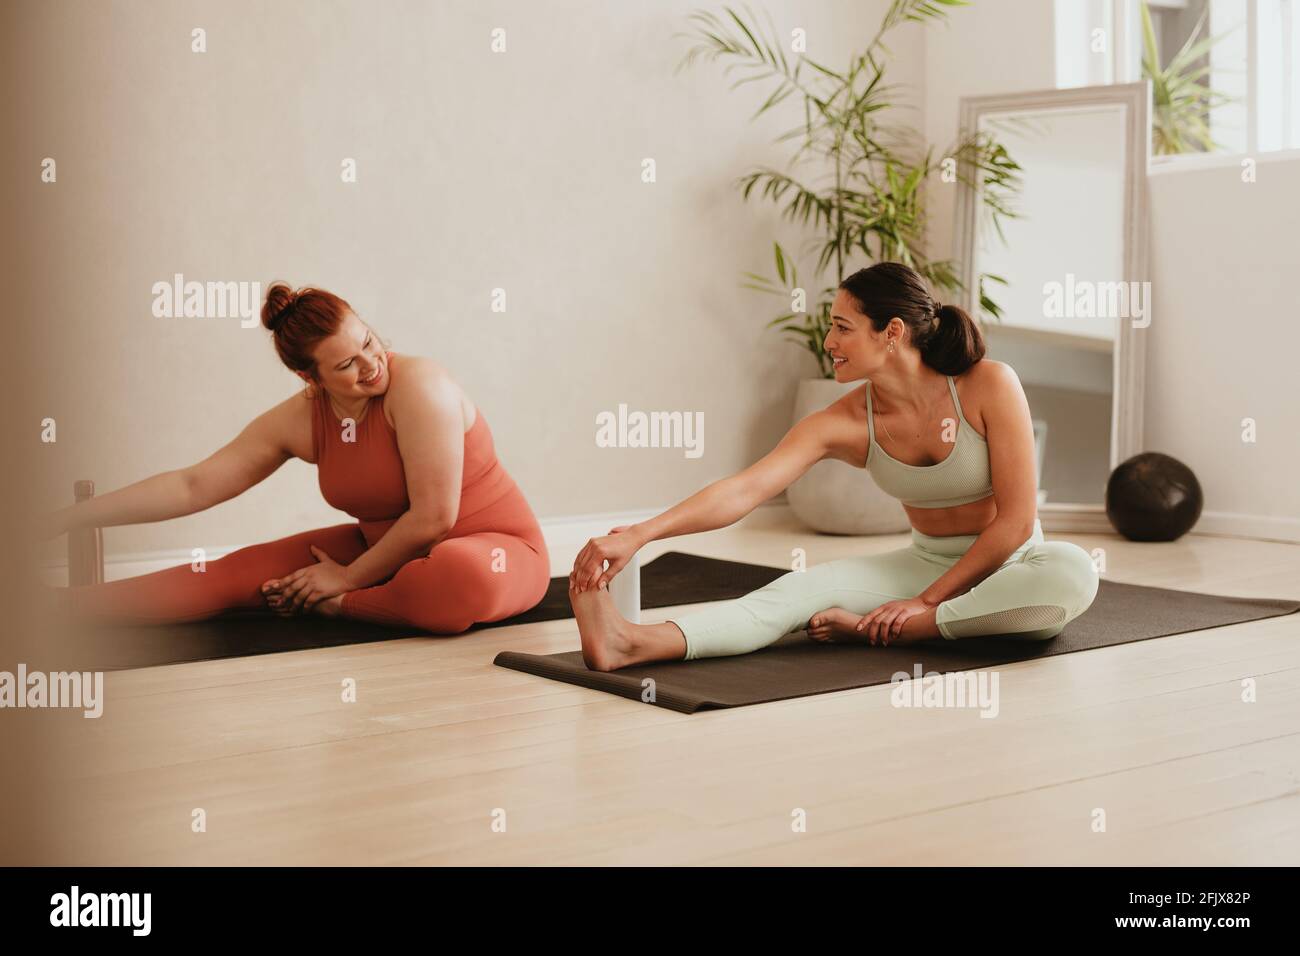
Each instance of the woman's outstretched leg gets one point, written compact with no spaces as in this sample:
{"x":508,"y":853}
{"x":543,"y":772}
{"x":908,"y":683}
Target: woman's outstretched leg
{"x":858,"y":584}
{"x":474,"y":579}
{"x":1040,"y":588}
{"x":192,"y":592}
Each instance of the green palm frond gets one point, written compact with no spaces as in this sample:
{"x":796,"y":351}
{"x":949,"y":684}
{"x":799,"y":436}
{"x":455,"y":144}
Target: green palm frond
{"x":866,"y":195}
{"x":1181,"y":103}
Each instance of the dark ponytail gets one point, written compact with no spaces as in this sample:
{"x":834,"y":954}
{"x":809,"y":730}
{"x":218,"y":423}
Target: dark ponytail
{"x":956,"y":344}
{"x":948,"y":339}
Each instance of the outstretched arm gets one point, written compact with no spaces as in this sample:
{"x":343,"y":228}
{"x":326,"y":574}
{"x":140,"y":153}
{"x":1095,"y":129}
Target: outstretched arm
{"x":726,"y":501}
{"x":253,"y":455}
{"x":720,"y":504}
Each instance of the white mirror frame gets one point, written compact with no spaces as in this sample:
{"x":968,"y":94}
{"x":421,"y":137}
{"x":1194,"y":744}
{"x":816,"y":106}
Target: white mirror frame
{"x":1129,"y":354}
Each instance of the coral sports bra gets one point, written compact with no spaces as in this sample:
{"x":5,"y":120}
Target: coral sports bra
{"x":960,"y":478}
{"x":364,"y":475}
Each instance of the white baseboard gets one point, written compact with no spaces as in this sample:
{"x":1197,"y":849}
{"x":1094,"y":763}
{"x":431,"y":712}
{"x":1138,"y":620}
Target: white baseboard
{"x":1092,"y":519}
{"x":566,"y":534}
{"x":1261,"y":527}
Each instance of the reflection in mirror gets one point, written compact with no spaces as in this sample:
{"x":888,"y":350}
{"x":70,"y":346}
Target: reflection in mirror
{"x":1066,"y":242}
{"x":1069,"y":282}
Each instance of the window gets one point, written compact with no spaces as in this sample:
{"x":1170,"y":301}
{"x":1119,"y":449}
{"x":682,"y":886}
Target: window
{"x":1249,"y":76}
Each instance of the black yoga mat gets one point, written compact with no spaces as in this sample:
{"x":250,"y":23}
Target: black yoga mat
{"x":671,"y":578}
{"x":797,"y":666}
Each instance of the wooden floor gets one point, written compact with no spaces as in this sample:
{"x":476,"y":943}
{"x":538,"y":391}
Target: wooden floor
{"x":440,"y":744}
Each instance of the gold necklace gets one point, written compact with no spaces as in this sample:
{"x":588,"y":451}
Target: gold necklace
{"x":364,"y":411}
{"x":888,"y":432}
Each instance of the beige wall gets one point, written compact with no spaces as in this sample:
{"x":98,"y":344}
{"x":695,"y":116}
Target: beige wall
{"x":518,"y":171}
{"x":1225,"y":340}
{"x":476,"y":171}
{"x":1000,"y":47}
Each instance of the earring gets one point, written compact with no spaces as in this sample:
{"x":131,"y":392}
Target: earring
{"x":891,"y":346}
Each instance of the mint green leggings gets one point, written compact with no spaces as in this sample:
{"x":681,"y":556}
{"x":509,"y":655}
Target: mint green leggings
{"x":1039,"y":589}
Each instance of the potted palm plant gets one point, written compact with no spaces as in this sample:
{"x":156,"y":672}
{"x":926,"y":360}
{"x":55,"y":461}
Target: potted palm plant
{"x":856,"y":185}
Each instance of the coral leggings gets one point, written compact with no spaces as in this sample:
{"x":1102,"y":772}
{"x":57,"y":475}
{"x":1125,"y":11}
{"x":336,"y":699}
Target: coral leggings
{"x":491,"y":565}
{"x":479,"y":577}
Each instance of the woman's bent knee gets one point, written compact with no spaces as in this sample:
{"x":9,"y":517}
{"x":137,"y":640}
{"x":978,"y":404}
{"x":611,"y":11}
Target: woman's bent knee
{"x":1069,"y":576}
{"x":476,"y":582}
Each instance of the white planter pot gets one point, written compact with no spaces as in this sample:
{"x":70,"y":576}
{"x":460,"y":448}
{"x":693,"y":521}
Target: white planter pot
{"x":833,"y":496}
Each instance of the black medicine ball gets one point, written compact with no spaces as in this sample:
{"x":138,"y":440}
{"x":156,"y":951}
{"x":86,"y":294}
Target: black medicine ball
{"x":1153,"y":497}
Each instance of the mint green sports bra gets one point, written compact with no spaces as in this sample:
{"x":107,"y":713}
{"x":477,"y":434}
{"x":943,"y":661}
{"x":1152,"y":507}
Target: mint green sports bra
{"x":960,"y":478}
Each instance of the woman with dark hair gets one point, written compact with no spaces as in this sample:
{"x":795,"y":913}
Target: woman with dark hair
{"x":444,"y":538}
{"x":939,"y":427}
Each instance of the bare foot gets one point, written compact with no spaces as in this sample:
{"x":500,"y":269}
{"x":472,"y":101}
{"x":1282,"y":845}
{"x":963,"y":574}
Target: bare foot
{"x":275,"y":599}
{"x":835,"y":625}
{"x":277,"y":602}
{"x":606,"y":635}
{"x":834,"y":622}
{"x":272,"y":596}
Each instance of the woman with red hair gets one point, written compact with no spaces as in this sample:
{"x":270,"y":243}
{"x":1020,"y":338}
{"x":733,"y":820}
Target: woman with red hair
{"x":444,"y":538}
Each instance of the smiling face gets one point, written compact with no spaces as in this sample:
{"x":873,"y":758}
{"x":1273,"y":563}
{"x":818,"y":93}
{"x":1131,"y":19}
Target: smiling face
{"x":351,"y":363}
{"x":855,"y":347}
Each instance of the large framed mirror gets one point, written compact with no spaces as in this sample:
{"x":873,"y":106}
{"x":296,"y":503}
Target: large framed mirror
{"x":1076,"y":297}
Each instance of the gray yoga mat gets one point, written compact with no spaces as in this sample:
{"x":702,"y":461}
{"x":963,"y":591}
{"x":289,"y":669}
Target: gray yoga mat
{"x":797,"y":666}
